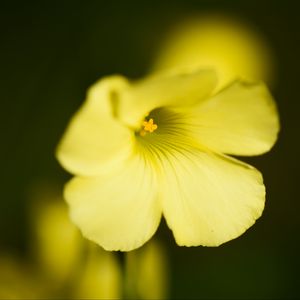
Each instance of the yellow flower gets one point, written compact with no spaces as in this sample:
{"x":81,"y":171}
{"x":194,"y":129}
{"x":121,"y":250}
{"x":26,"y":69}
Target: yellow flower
{"x":129,"y":172}
{"x":221,"y":42}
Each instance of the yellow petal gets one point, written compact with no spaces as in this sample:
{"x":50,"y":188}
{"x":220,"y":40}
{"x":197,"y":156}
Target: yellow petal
{"x":241,"y":120}
{"x":94,"y":140}
{"x":209,"y":199}
{"x":229,"y":46}
{"x":118,"y":211}
{"x":164,"y":90}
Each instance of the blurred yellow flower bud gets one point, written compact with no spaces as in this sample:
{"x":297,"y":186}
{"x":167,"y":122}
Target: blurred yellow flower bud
{"x":99,"y":277}
{"x":18,"y":280}
{"x":147,"y":272}
{"x":57,"y":244}
{"x":69,"y":265}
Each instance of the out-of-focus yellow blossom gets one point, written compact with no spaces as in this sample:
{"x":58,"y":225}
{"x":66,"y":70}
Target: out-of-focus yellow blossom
{"x":68,"y":264}
{"x":147,"y":272}
{"x":232,"y":48}
{"x":18,"y":280}
{"x":99,"y":277}
{"x":57,"y":244}
{"x":129,"y":173}
{"x":63,"y":264}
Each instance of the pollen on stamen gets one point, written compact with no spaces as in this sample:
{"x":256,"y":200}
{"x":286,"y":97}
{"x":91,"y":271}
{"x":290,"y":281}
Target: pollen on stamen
{"x":149,"y":126}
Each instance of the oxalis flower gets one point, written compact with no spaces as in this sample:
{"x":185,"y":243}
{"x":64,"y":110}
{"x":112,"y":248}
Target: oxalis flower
{"x":159,"y":146}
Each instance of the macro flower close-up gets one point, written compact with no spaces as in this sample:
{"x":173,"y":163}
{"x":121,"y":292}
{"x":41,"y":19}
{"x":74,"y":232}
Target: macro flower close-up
{"x":160,"y":146}
{"x":149,"y":150}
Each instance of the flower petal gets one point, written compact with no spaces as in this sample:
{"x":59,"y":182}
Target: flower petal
{"x":210,"y":199}
{"x":94,"y":140}
{"x":240,"y":120}
{"x":118,"y":211}
{"x":169,"y":89}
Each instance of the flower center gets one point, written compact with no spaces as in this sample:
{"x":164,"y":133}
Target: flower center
{"x":149,"y":126}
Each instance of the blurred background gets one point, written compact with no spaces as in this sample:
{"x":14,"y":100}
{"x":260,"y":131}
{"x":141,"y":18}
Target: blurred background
{"x":51,"y":52}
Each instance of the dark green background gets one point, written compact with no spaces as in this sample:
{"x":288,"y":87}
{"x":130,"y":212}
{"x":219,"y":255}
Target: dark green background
{"x":51,"y":52}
